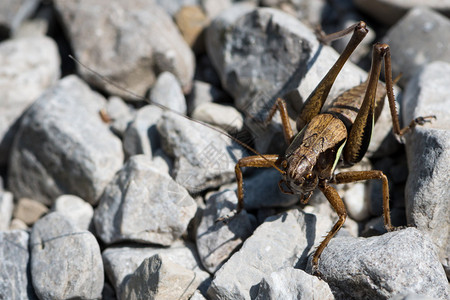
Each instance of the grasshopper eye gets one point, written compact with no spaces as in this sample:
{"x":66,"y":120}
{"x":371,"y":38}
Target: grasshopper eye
{"x":309,"y":177}
{"x":284,"y":164}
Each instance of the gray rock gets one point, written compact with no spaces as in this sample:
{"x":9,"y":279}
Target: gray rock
{"x":127,"y":46}
{"x":281,"y":241}
{"x":290,"y":283}
{"x":383,"y":266}
{"x":204,"y":158}
{"x":428,"y":153}
{"x":204,"y":92}
{"x":216,"y":241}
{"x":390,"y":11}
{"x":214,"y":8}
{"x":13,"y":13}
{"x":410,"y":38}
{"x":162,"y":162}
{"x":75,"y":209}
{"x":65,"y":262}
{"x":6,"y":209}
{"x":259,"y":54}
{"x":15,"y":277}
{"x":141,"y":136}
{"x":122,"y":261}
{"x":120,"y":113}
{"x":197,"y":296}
{"x":167,"y":92}
{"x":160,"y":278}
{"x":411,"y":296}
{"x":63,"y":147}
{"x":223,"y":116}
{"x":143,"y":204}
{"x":30,"y":66}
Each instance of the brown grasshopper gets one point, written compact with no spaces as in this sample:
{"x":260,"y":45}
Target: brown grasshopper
{"x":324,"y":137}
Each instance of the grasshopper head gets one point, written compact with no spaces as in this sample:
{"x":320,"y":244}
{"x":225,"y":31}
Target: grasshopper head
{"x":299,"y":177}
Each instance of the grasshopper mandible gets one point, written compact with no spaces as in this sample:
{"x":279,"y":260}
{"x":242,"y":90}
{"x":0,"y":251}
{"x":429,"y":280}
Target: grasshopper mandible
{"x":324,"y":137}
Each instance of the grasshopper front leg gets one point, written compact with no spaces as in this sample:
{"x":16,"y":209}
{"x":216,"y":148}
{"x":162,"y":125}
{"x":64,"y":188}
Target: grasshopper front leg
{"x":256,"y":161}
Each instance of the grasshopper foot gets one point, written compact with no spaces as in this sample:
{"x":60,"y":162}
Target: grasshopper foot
{"x":228,"y":217}
{"x":423,"y":120}
{"x":315,"y":271}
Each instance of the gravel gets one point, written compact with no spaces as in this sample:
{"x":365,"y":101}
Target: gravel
{"x":106,"y":195}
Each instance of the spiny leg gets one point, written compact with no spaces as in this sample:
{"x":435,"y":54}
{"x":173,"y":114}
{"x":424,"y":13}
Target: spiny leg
{"x":280,"y":104}
{"x":316,"y":100}
{"x":352,"y":176}
{"x":339,"y":207}
{"x":391,"y":98}
{"x":257,"y":161}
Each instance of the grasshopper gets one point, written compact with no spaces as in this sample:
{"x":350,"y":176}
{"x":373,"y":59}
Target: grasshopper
{"x":341,"y":133}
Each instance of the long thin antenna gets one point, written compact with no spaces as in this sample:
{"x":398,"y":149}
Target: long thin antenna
{"x":123,"y":89}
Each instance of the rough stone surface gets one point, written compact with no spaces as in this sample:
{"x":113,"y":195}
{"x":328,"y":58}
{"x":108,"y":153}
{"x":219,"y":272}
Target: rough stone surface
{"x":281,"y":241}
{"x":122,"y":261}
{"x":204,"y":158}
{"x":410,"y":38}
{"x":172,"y":7}
{"x":63,"y":147}
{"x":160,"y":278}
{"x":6,"y":209}
{"x":204,"y":92}
{"x":226,"y":117}
{"x":353,"y":268}
{"x":290,"y":283}
{"x":13,"y":13}
{"x":127,"y":44}
{"x":216,"y":241}
{"x":15,"y":277}
{"x":29,"y":66}
{"x":143,"y":204}
{"x":65,"y":262}
{"x":390,"y":11}
{"x":167,"y":92}
{"x":29,"y":210}
{"x":141,"y":136}
{"x":75,"y":209}
{"x":428,"y":151}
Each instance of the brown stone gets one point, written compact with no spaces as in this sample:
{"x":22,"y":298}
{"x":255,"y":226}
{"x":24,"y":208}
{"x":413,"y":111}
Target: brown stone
{"x":29,"y":211}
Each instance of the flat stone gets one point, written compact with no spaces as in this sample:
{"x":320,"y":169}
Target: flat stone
{"x":203,"y":157}
{"x":63,"y":146}
{"x":141,"y":135}
{"x":127,"y":46}
{"x":216,"y":241}
{"x":65,"y":261}
{"x":122,"y":261}
{"x":428,"y":152}
{"x":290,"y":283}
{"x":160,"y":278}
{"x":15,"y":277}
{"x":29,"y":210}
{"x":223,"y":116}
{"x":410,"y":38}
{"x":281,"y":241}
{"x":143,"y":204}
{"x":75,"y":209}
{"x":30,"y":66}
{"x":6,"y":209}
{"x":383,"y":266}
{"x":167,"y":92}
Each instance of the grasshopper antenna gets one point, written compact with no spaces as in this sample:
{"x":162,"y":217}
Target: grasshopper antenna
{"x":109,"y":81}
